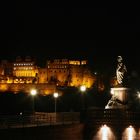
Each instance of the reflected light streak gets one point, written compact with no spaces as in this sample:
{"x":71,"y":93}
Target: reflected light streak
{"x":129,"y":133}
{"x":104,"y":133}
{"x":104,"y":130}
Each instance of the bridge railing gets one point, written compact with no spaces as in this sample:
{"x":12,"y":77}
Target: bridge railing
{"x":113,"y":116}
{"x":38,"y":119}
{"x":96,"y":116}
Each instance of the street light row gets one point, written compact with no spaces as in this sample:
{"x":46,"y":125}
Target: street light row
{"x":33,"y":92}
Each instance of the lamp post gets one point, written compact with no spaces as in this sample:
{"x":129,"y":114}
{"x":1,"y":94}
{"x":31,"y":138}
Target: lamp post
{"x":55,"y":95}
{"x":83,"y":90}
{"x":33,"y":93}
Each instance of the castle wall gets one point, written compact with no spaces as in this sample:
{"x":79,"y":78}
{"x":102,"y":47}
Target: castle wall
{"x":42,"y":75}
{"x":41,"y":88}
{"x":76,"y":75}
{"x":61,"y":72}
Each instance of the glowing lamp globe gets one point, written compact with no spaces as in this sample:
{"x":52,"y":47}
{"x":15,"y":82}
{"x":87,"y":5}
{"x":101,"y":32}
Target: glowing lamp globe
{"x":33,"y":92}
{"x":83,"y":88}
{"x":55,"y":95}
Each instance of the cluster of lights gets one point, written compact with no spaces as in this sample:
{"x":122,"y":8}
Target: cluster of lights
{"x":59,"y":66}
{"x":74,"y":62}
{"x":83,"y":62}
{"x":25,"y":64}
{"x":23,"y":68}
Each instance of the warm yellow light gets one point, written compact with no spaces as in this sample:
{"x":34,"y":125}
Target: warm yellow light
{"x":3,"y":87}
{"x":83,"y":88}
{"x":55,"y":95}
{"x":104,"y":133}
{"x":33,"y":92}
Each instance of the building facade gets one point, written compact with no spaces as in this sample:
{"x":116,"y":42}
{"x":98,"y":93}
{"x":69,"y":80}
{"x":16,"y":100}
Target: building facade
{"x":66,"y":72}
{"x":58,"y":72}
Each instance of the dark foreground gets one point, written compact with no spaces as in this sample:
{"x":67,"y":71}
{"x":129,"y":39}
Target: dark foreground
{"x":92,"y":125}
{"x":57,"y":132}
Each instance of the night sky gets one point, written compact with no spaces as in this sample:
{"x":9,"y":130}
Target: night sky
{"x":96,"y":34}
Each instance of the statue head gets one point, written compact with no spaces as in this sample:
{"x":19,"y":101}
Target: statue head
{"x":119,"y":59}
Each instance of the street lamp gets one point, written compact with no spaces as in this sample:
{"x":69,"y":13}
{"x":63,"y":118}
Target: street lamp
{"x":33,"y":93}
{"x":83,"y":90}
{"x":55,"y":95}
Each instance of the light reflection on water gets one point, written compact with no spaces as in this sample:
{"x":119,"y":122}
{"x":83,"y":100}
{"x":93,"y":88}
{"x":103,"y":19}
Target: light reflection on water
{"x":104,"y":133}
{"x":129,"y":133}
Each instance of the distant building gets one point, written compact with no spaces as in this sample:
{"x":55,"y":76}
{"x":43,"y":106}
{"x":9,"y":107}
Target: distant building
{"x":59,"y":72}
{"x":42,"y":75}
{"x":66,"y":72}
{"x":25,"y":71}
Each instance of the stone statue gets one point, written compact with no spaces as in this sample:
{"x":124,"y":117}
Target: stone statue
{"x":120,"y":93}
{"x":120,"y":71}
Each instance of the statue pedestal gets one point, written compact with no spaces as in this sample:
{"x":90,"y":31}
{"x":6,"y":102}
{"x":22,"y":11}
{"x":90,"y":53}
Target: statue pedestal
{"x":120,"y":93}
{"x":120,"y":98}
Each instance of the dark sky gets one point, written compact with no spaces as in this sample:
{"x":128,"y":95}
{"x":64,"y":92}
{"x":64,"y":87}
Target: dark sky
{"x":98,"y":34}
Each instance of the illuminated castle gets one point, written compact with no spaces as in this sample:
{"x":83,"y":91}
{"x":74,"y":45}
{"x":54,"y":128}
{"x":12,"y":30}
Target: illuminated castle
{"x":58,"y":72}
